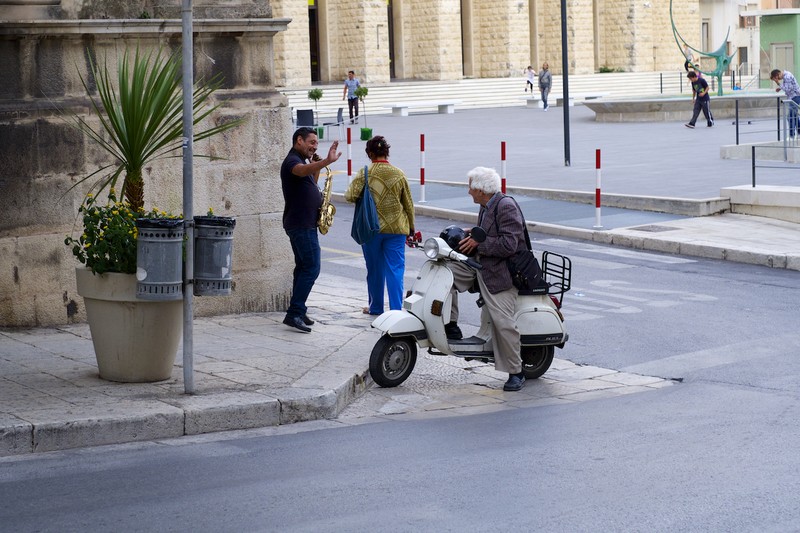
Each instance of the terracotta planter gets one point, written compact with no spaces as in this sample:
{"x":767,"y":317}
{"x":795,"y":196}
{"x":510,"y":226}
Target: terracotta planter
{"x":134,"y":340}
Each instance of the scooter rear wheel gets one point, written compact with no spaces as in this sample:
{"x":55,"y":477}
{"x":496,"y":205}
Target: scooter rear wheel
{"x":392,"y":360}
{"x":536,"y":360}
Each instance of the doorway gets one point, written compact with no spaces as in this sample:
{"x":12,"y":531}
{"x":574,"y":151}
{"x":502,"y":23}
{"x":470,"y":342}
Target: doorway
{"x":783,"y":56}
{"x":313,"y":40}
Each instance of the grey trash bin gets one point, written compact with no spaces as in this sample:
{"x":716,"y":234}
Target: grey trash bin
{"x":159,"y":259}
{"x":213,"y":255}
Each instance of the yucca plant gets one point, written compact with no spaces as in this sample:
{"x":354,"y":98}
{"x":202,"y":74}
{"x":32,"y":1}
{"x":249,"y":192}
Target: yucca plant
{"x":141,"y":117}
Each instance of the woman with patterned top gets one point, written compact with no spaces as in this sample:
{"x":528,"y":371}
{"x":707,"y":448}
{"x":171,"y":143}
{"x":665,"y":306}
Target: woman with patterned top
{"x":385,"y":253}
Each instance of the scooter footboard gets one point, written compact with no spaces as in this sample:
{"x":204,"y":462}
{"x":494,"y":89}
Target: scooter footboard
{"x":400,"y":323}
{"x":541,"y":327}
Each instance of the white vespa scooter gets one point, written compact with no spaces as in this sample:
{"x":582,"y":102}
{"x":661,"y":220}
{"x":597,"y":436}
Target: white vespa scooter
{"x":426,"y":310}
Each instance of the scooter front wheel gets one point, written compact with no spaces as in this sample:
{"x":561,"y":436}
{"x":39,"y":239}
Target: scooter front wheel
{"x":392,"y":360}
{"x":536,"y":360}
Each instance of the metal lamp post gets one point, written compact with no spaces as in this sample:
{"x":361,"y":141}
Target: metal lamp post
{"x":188,"y":194}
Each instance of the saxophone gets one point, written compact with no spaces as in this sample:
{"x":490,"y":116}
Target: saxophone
{"x":327,"y":209}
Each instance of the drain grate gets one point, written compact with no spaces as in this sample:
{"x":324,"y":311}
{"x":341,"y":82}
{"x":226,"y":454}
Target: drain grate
{"x":653,"y":228}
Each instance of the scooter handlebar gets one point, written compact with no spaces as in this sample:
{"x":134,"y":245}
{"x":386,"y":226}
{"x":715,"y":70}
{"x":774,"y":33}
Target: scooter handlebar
{"x":474,"y":264}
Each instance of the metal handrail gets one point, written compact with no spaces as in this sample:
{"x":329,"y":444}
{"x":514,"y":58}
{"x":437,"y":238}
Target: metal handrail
{"x":789,"y":108}
{"x":753,"y":165}
{"x":737,"y":121}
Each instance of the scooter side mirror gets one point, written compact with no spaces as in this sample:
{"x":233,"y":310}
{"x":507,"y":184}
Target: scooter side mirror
{"x":478,"y":234}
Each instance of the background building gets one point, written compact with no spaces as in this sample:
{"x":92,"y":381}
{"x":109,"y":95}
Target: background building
{"x":44,"y":46}
{"x":384,"y":40}
{"x":779,"y":22}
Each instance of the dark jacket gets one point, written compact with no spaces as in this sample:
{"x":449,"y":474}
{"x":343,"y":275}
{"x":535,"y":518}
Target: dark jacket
{"x":504,"y":236}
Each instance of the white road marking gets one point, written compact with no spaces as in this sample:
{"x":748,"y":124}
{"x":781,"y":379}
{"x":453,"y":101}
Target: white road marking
{"x":617,"y":252}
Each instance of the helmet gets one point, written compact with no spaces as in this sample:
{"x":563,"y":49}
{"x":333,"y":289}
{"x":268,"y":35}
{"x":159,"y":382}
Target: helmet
{"x":452,"y":235}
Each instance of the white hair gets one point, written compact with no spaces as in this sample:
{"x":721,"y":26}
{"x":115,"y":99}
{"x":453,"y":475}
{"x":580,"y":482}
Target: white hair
{"x":484,"y":179}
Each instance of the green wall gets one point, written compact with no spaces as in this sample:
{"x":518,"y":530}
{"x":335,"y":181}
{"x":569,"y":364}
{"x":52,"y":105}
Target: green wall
{"x":778,"y":29}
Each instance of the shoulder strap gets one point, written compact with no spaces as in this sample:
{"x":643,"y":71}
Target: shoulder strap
{"x":524,"y":224}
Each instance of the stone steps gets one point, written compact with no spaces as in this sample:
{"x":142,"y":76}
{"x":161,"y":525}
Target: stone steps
{"x":492,"y":92}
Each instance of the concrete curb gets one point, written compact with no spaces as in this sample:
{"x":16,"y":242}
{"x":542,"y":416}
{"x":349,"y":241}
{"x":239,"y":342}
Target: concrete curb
{"x":627,"y":238}
{"x":321,"y":394}
{"x":659,"y":204}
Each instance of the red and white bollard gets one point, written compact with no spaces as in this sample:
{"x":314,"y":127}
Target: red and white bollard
{"x":349,"y":159}
{"x":597,"y":223}
{"x":422,"y":167}
{"x":503,"y":167}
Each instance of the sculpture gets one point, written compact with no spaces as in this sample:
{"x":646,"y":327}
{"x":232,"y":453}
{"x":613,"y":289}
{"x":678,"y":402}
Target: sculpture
{"x":722,"y":60}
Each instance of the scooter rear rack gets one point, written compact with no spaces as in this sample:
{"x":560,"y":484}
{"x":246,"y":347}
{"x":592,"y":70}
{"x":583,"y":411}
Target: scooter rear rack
{"x":557,"y":271}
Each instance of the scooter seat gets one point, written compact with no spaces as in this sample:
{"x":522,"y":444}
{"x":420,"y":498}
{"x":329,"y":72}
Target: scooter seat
{"x":542,"y":288}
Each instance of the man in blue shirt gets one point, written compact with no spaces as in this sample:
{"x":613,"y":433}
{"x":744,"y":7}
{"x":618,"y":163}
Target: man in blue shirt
{"x":303,"y":199}
{"x":788,"y":84}
{"x":350,"y":86}
{"x":700,"y":98}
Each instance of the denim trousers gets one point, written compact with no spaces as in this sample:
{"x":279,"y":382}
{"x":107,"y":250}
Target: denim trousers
{"x":385,"y":256}
{"x":793,"y":121}
{"x":305,"y":245}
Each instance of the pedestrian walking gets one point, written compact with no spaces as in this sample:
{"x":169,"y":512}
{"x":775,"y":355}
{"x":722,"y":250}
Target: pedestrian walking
{"x":788,"y":84}
{"x":545,"y":82}
{"x":530,"y":77}
{"x":700,"y":99}
{"x":349,"y":92}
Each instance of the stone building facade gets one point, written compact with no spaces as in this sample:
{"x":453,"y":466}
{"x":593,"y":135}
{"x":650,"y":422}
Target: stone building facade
{"x":42,"y":157}
{"x":383,"y":40}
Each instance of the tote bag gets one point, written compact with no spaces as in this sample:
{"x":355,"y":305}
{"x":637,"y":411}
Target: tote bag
{"x":365,"y":218}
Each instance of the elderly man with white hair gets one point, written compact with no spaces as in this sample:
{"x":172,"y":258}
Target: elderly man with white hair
{"x":502,"y":220}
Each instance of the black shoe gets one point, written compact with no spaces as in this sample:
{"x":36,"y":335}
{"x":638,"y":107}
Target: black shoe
{"x":452,"y":331}
{"x":296,"y":322}
{"x":307,"y":321}
{"x":515,"y":382}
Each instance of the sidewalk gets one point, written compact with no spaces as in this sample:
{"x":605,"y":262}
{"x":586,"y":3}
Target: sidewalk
{"x":252,"y":371}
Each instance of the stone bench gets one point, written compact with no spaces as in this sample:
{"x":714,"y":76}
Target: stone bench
{"x":401,"y":109}
{"x":752,"y":104}
{"x":579,"y":97}
{"x":532,"y":101}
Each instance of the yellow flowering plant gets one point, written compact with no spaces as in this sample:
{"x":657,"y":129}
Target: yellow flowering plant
{"x":108,"y":242}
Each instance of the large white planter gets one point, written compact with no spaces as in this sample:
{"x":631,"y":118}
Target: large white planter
{"x":134,"y":340}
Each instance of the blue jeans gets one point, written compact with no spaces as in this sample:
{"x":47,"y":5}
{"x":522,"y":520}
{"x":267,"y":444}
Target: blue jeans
{"x":545,"y":91}
{"x":385,"y":255}
{"x":305,"y":245}
{"x":793,"y":122}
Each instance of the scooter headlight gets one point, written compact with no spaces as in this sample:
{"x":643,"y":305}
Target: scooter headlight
{"x":431,"y":248}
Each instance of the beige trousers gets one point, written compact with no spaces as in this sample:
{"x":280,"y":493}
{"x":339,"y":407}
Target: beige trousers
{"x":501,"y":307}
